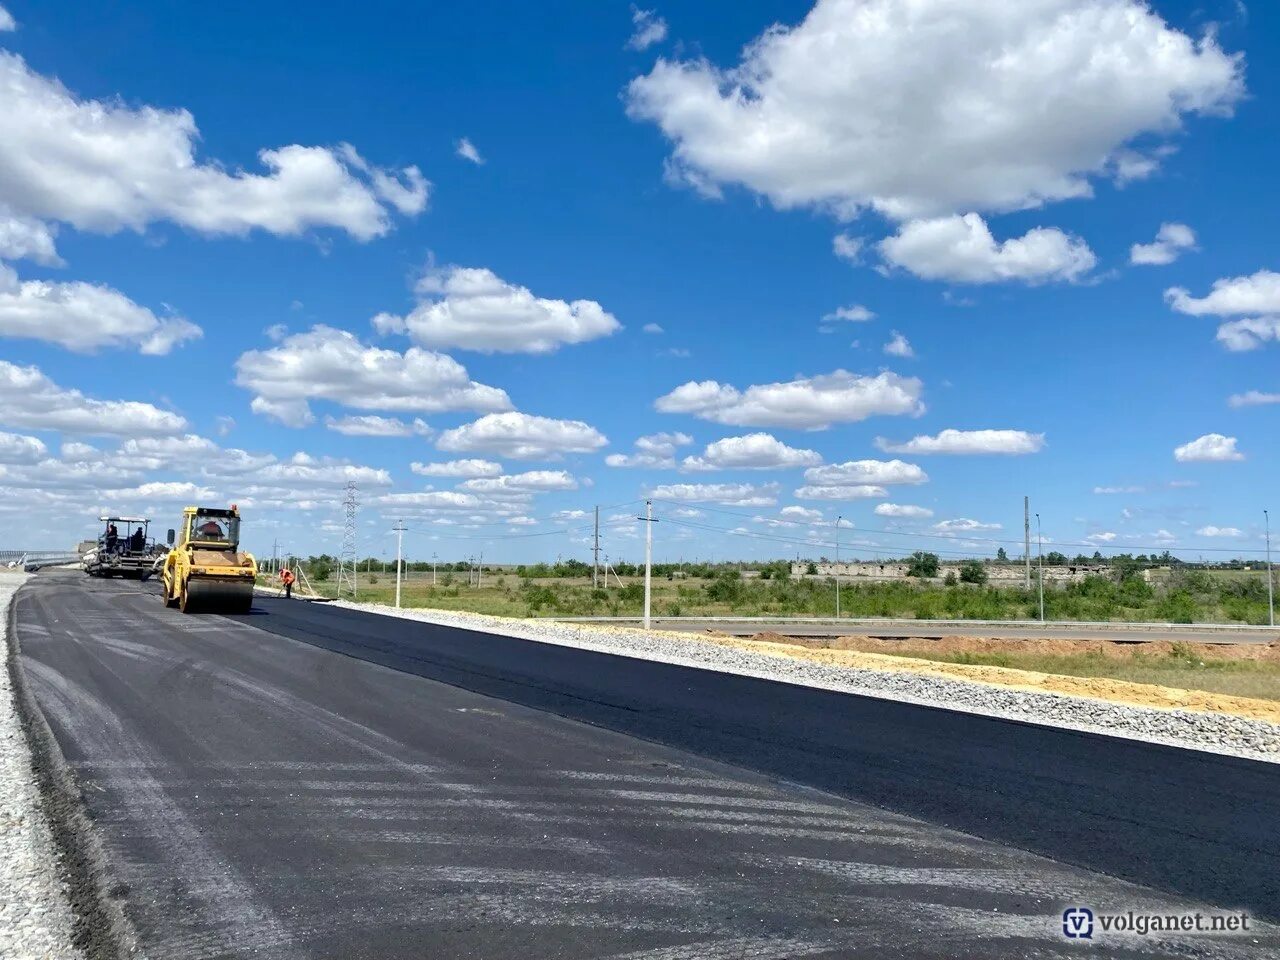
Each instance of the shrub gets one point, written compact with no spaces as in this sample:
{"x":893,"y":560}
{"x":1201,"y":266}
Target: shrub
{"x":950,"y":578}
{"x":972,"y":571}
{"x":922,"y":564}
{"x":632,"y":593}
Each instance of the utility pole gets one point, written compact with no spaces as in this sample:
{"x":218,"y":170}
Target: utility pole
{"x":595,"y":554}
{"x":1040,"y":553}
{"x":1271,"y":600}
{"x":480,"y":571}
{"x":1026,"y":543}
{"x":433,"y":569}
{"x":347,"y":560}
{"x":838,"y":519}
{"x":399,"y":528}
{"x":648,"y":557}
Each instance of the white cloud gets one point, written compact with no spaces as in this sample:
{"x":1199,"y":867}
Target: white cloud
{"x":964,"y":442}
{"x":899,"y":346}
{"x":74,"y":450}
{"x":657,"y":451}
{"x":474,"y":309}
{"x":1253,"y":398}
{"x":1172,"y":240}
{"x":467,"y":151}
{"x":84,"y":317}
{"x":861,"y":491}
{"x":964,"y":525}
{"x":1250,"y":333}
{"x":25,"y":238}
{"x":1231,"y":296}
{"x":903,"y":510}
{"x":649,"y":29}
{"x":856,"y":472}
{"x":569,"y":516}
{"x":855,"y":313}
{"x":755,"y":451}
{"x":1211,"y":447}
{"x":458,"y":468}
{"x":962,"y":250}
{"x":653,"y":328}
{"x":812,"y":403}
{"x":1212,"y":531}
{"x":522,"y":436}
{"x":104,"y":166}
{"x":534,"y":481}
{"x":929,"y":107}
{"x":1105,"y":536}
{"x":29,"y":399}
{"x":803,"y":514}
{"x":374,"y":426}
{"x":16,"y":448}
{"x":726,"y":494}
{"x":847,"y":247}
{"x":7,"y":23}
{"x":330,"y":364}
{"x":1112,"y":490}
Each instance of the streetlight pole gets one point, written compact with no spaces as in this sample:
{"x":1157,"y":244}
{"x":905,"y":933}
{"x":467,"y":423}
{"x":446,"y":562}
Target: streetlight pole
{"x":433,"y":569}
{"x":1040,"y":564}
{"x":1271,"y":600}
{"x":399,"y":528}
{"x":838,"y":521}
{"x":648,"y":558}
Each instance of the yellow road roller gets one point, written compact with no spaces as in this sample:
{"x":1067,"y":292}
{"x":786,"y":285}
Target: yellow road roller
{"x":205,"y":569}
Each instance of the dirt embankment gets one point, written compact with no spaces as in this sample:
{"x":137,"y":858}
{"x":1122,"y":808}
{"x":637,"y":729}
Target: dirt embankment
{"x":867,"y":653}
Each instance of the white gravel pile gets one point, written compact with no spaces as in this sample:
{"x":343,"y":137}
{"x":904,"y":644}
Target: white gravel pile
{"x":1214,"y":733}
{"x":35,"y":917}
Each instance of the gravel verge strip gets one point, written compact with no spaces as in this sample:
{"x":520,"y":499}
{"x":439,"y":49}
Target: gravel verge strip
{"x":1209,"y":732}
{"x":55,"y":904}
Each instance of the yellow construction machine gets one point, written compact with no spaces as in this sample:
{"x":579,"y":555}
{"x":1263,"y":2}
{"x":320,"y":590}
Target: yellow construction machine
{"x":205,"y":569}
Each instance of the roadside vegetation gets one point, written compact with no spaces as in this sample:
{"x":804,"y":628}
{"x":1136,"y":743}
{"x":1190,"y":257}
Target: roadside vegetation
{"x":1120,"y":593}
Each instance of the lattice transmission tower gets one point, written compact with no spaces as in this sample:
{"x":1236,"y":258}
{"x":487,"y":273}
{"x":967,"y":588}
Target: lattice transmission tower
{"x":347,"y":559}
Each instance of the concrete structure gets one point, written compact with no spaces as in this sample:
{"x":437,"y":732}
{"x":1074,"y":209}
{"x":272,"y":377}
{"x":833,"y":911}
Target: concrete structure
{"x":1002,"y":574}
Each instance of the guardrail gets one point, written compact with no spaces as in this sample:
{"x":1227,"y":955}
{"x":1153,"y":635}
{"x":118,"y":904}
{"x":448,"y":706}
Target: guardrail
{"x":31,"y":560}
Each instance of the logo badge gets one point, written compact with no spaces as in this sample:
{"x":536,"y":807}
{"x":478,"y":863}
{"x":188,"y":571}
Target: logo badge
{"x":1077,"y":923}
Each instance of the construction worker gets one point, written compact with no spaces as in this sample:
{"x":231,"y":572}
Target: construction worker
{"x":112,"y":538}
{"x":286,"y":578}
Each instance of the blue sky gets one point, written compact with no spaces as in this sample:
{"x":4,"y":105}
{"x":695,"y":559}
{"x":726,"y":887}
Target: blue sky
{"x":181,"y":320}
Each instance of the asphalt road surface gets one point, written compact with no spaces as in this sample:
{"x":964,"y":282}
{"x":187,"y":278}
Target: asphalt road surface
{"x":905,"y":629}
{"x":307,"y":781}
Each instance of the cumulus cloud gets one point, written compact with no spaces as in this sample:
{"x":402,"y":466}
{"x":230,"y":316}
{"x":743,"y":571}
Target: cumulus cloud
{"x":1172,"y":240}
{"x":16,"y":448}
{"x":29,"y":399}
{"x":25,"y":238}
{"x":963,"y":250}
{"x":533,"y":481}
{"x":858,"y":472}
{"x":85,"y":317}
{"x":329,"y":364}
{"x":649,"y":29}
{"x":1209,"y":448}
{"x":855,"y":313}
{"x":656,"y":451}
{"x":375,"y":426}
{"x":1212,"y":531}
{"x":800,"y":514}
{"x":903,"y":511}
{"x":847,"y":247}
{"x":930,"y":107}
{"x":963,"y":442}
{"x":1113,"y":490}
{"x":1258,"y":293}
{"x":899,"y":346}
{"x":7,"y":23}
{"x":964,"y":525}
{"x":726,"y":494}
{"x":104,"y":166}
{"x":1253,"y":398}
{"x":755,"y":451}
{"x":461,"y":469}
{"x":861,"y":491}
{"x":1240,"y":336}
{"x":467,"y":151}
{"x":474,"y":309}
{"x":653,"y":328}
{"x":1103,"y":536}
{"x":809,"y":403}
{"x":522,"y":436}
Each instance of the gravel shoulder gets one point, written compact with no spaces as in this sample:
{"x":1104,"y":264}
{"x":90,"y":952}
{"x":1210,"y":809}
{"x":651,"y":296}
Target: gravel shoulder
{"x":36,"y":919}
{"x":894,"y":678}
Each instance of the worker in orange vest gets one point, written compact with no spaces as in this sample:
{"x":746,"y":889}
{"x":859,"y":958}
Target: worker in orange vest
{"x":286,"y":577}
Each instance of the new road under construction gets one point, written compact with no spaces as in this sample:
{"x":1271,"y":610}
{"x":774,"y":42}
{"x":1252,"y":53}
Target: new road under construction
{"x":339,"y":780}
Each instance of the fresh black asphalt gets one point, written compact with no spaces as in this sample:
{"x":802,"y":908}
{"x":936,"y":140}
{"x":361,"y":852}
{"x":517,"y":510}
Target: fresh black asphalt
{"x":306,"y":781}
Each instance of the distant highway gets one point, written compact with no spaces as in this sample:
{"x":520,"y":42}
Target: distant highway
{"x":999,"y":629}
{"x":307,"y":781}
